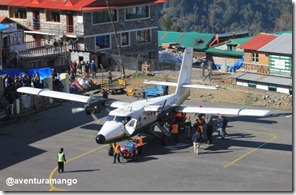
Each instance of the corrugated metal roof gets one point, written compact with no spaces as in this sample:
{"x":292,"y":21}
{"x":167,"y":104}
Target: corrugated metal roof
{"x":74,"y":5}
{"x":2,"y":18}
{"x":198,"y":41}
{"x":281,"y":45}
{"x":284,"y":32}
{"x":263,"y":78}
{"x":225,"y":52}
{"x":258,"y":41}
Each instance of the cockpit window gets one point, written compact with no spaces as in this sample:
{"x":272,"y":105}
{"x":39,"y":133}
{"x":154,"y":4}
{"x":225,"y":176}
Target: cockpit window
{"x":110,"y":118}
{"x":120,"y":119}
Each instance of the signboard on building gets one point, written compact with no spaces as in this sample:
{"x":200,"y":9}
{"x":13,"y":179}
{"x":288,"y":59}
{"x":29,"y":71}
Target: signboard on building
{"x":280,"y":65}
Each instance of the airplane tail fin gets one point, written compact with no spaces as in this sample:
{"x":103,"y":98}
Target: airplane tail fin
{"x":185,"y":73}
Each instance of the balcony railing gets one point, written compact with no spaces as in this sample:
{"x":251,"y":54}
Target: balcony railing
{"x":58,"y":29}
{"x":50,"y":50}
{"x":47,"y":50}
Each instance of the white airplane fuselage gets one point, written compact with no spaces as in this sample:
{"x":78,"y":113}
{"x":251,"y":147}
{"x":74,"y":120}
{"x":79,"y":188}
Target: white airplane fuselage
{"x":115,"y":127}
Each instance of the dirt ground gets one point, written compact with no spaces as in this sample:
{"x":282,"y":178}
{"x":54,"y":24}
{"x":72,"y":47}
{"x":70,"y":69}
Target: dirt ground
{"x":227,"y":93}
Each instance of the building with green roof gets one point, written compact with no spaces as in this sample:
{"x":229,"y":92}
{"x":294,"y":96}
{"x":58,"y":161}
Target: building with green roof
{"x":198,"y":41}
{"x":224,"y":55}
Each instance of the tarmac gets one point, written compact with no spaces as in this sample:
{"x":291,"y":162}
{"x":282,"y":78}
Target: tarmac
{"x":255,"y":157}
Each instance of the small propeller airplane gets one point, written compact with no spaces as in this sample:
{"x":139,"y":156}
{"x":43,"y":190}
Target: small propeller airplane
{"x":128,"y":119}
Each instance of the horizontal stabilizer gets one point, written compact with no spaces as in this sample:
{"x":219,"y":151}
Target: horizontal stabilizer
{"x":175,"y":84}
{"x":160,"y":83}
{"x":226,"y":111}
{"x":200,"y":86}
{"x":54,"y":94}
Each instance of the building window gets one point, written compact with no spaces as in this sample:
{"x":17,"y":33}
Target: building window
{"x":125,"y":40}
{"x":103,"y":41}
{"x":143,"y":36}
{"x":255,"y":57}
{"x":137,"y":12}
{"x":231,"y":47}
{"x":17,"y":12}
{"x":52,"y":16}
{"x":103,"y":16}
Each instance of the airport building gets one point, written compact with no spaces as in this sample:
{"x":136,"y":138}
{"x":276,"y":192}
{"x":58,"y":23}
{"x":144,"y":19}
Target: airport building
{"x":110,"y":32}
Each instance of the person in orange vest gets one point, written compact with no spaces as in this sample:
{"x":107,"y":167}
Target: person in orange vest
{"x":139,"y":144}
{"x":175,"y":131}
{"x":199,"y":122}
{"x":116,"y":149}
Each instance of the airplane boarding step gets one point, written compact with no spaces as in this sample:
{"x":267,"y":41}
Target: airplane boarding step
{"x":165,"y":130}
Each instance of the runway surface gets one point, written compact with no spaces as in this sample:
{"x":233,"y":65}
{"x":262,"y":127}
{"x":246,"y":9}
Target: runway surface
{"x":256,"y":156}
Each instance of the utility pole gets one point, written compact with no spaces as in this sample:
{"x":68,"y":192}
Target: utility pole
{"x":116,"y":40}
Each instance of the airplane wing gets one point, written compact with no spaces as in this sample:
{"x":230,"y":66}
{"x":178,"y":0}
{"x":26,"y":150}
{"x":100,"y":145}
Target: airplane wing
{"x":175,"y":84}
{"x":116,"y":104}
{"x":54,"y":94}
{"x":226,"y":111}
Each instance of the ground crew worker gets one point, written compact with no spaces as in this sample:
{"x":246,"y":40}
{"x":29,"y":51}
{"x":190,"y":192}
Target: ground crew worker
{"x":187,"y":127}
{"x":61,"y":160}
{"x":116,"y":149}
{"x":175,"y":131}
{"x":139,"y":144}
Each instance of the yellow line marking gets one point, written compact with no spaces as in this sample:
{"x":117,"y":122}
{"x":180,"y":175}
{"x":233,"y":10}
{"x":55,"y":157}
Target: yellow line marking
{"x":255,"y":149}
{"x":52,"y":188}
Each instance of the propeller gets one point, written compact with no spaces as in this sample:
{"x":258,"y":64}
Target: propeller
{"x":95,"y":118}
{"x":76,"y":110}
{"x":80,"y":109}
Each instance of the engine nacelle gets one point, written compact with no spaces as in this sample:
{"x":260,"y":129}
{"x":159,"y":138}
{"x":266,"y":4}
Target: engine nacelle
{"x":95,"y":107}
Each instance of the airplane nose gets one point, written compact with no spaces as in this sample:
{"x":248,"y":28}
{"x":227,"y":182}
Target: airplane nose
{"x":100,"y":139}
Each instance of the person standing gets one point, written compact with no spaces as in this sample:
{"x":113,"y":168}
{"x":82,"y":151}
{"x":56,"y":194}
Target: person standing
{"x":222,"y":123}
{"x":116,"y":155}
{"x":105,"y":94}
{"x":74,"y":67}
{"x":9,"y":93}
{"x":93,"y":69}
{"x":61,"y":160}
{"x":110,"y":76}
{"x":209,"y":126}
{"x":196,"y":139}
{"x":175,"y":131}
{"x":139,"y":144}
{"x":187,"y":127}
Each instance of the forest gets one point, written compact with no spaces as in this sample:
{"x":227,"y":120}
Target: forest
{"x":219,"y":16}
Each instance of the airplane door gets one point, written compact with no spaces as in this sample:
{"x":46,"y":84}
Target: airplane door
{"x":130,"y":127}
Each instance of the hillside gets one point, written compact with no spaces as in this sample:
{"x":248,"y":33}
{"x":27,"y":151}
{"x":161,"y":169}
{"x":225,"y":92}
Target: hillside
{"x":219,"y":16}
